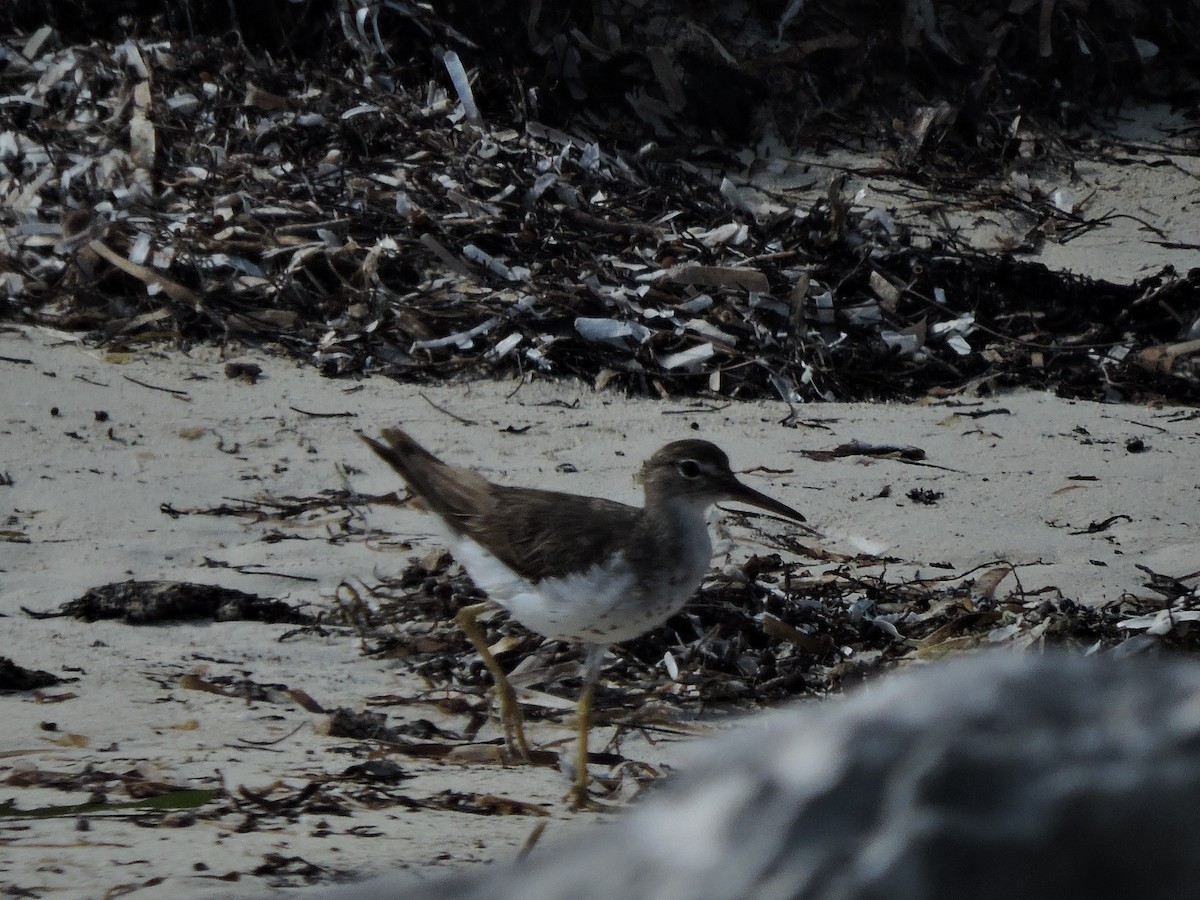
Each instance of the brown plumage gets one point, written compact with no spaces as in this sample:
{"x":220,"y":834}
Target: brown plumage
{"x":538,"y":534}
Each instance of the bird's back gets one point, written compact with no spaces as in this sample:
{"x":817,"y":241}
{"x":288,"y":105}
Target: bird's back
{"x":547,"y":534}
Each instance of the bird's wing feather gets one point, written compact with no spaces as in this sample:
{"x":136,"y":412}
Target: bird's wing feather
{"x":545,"y":534}
{"x":538,"y":534}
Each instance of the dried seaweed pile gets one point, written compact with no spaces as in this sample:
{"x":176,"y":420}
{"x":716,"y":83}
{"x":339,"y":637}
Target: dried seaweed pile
{"x":174,"y":189}
{"x":769,"y":630}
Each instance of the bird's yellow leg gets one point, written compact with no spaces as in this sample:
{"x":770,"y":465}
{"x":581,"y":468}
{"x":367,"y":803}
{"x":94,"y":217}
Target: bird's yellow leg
{"x":510,"y":712}
{"x":592,"y":658}
{"x":583,"y":717}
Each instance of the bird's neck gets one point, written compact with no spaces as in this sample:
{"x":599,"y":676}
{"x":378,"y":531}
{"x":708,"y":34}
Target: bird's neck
{"x":674,"y":519}
{"x":672,"y":545}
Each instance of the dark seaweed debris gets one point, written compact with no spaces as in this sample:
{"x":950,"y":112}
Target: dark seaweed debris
{"x":14,"y":677}
{"x":390,"y":222}
{"x":153,"y":602}
{"x":772,"y":630}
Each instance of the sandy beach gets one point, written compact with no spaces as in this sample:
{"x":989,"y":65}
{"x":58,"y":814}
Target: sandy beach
{"x":101,"y":449}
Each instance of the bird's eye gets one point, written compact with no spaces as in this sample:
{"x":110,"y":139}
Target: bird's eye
{"x":689,"y":468}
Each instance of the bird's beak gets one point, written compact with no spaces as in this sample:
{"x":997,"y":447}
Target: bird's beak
{"x":741,"y":493}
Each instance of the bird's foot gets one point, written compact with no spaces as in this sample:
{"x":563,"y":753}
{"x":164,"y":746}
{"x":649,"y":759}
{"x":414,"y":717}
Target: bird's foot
{"x":512,"y":721}
{"x":579,"y":800}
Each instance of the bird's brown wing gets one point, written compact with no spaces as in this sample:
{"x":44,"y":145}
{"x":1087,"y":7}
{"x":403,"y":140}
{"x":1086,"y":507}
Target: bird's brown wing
{"x":538,"y":534}
{"x":547,"y":534}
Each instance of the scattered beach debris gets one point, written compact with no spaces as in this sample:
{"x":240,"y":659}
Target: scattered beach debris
{"x":760,"y":633}
{"x":150,"y":602}
{"x":14,"y":677}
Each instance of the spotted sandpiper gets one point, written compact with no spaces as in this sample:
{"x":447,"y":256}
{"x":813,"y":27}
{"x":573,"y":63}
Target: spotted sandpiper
{"x":575,"y":568}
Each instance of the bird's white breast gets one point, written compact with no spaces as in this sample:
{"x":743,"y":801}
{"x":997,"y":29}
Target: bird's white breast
{"x":604,"y":604}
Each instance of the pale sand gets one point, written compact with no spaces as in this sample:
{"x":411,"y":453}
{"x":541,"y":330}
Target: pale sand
{"x":90,"y":506}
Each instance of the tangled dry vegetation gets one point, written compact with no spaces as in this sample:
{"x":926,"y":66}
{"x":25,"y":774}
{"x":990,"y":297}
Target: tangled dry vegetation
{"x":767,"y":629}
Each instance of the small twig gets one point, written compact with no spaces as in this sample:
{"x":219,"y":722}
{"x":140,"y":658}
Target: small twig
{"x":447,"y":412}
{"x":1157,"y":428}
{"x":698,"y":408}
{"x":249,"y":569}
{"x":1097,"y":527}
{"x":278,"y":740}
{"x":320,"y":415}
{"x":154,"y":387}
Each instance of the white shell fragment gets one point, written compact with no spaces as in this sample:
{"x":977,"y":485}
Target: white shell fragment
{"x":613,"y":331}
{"x":671,"y":666}
{"x":462,"y":86}
{"x":505,"y":346}
{"x":686,"y":359}
{"x":464,"y":340}
{"x":1063,"y":200}
{"x":493,"y":265}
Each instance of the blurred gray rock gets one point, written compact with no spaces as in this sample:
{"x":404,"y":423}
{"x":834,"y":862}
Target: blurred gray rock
{"x":995,"y":776}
